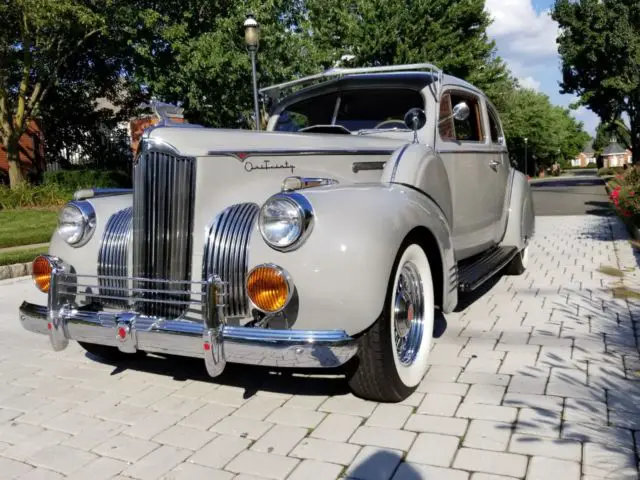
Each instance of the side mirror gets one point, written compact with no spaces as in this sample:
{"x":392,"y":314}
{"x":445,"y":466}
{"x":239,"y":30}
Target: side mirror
{"x":461,"y":112}
{"x":415,"y":119}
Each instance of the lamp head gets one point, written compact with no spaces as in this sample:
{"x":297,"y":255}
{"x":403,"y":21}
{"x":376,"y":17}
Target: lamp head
{"x":251,"y":32}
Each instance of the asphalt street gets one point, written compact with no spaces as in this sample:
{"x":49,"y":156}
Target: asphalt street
{"x":570,"y":195}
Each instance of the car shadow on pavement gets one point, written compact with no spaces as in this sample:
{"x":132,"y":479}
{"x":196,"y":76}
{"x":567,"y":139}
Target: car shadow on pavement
{"x":384,"y":464}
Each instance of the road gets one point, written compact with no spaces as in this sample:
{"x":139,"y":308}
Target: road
{"x":570,"y":195}
{"x":535,"y":377}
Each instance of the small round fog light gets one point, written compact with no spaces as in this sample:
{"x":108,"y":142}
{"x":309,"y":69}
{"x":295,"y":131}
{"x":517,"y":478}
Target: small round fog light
{"x":42,"y":268}
{"x":269,"y":288}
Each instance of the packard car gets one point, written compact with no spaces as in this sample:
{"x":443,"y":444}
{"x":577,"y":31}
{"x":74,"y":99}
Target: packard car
{"x":371,"y":201}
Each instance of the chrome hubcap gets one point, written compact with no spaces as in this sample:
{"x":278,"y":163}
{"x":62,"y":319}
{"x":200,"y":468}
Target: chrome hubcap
{"x":407,"y":314}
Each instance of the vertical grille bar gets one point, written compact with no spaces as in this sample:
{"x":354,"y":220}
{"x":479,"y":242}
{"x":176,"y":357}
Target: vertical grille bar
{"x":163,"y":204}
{"x":226,"y":253}
{"x":112,"y":256}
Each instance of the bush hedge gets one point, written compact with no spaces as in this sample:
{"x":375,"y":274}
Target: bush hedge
{"x":79,"y":179}
{"x":610,"y":171}
{"x":26,"y":195}
{"x":624,"y":191}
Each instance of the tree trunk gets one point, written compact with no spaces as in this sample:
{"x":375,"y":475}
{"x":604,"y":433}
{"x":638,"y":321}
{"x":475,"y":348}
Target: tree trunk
{"x":13,"y":156}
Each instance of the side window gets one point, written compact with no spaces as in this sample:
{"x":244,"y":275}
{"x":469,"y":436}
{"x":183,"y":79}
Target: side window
{"x":494,"y":125}
{"x":469,"y":130}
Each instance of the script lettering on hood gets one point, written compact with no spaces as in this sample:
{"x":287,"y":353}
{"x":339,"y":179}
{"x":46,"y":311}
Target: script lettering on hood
{"x":267,"y":165}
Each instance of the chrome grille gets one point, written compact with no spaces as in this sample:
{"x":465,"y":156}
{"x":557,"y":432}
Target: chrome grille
{"x":163,"y":204}
{"x":112,"y":257}
{"x":226,"y":253}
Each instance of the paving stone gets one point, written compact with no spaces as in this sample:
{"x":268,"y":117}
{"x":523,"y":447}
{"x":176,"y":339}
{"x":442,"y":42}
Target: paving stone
{"x":220,"y":451}
{"x":32,"y":444}
{"x":485,"y":394}
{"x":439,"y":373}
{"x":488,"y":435}
{"x":445,"y":388}
{"x":192,"y":471}
{"x":310,"y":402}
{"x":488,"y":476}
{"x":373,"y":463}
{"x":241,"y":427}
{"x":486,"y":412}
{"x":280,"y":440}
{"x":585,"y":411}
{"x":123,"y":447}
{"x":93,"y":436}
{"x":61,"y":459}
{"x":259,"y":408}
{"x":432,"y":424}
{"x":433,"y":449}
{"x":314,"y":470}
{"x":225,"y":395}
{"x":195,"y":390}
{"x":207,"y":416}
{"x":438,"y":404}
{"x":263,"y":464}
{"x":527,"y":385}
{"x":389,"y":416}
{"x":184,"y":437}
{"x":13,"y":469}
{"x":603,"y":460}
{"x":542,"y":468}
{"x":337,"y":427}
{"x":536,"y":402}
{"x":326,"y":451}
{"x":42,"y":474}
{"x":491,"y":462}
{"x":158,"y":462}
{"x":549,"y":448}
{"x":597,"y":434}
{"x":296,"y":417}
{"x":484,"y":378}
{"x":17,"y":432}
{"x":539,"y":422}
{"x":348,"y":405}
{"x":152,"y":425}
{"x":102,"y":468}
{"x":414,"y":471}
{"x":383,"y":437}
{"x":178,"y":405}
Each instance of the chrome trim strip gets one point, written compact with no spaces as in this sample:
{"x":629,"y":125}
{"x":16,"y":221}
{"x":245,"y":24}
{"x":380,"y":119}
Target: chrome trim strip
{"x":397,"y":163}
{"x":358,"y":166}
{"x":226,"y":253}
{"x":253,"y":346}
{"x":113,"y":256}
{"x":100,"y":192}
{"x":242,"y":155}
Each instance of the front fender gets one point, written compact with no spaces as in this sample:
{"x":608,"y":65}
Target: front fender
{"x":341,"y":272}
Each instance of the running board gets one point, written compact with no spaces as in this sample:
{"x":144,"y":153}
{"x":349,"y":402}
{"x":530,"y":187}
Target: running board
{"x":472,"y":274}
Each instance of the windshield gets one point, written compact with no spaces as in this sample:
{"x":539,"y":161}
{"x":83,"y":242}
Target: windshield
{"x":360,"y":109}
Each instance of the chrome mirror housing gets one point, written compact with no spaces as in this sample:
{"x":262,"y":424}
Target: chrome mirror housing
{"x":461,"y":112}
{"x":415,"y":119}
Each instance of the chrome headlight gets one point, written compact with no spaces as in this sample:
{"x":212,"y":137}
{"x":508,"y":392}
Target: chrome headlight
{"x":77,"y":222}
{"x":285,"y":220}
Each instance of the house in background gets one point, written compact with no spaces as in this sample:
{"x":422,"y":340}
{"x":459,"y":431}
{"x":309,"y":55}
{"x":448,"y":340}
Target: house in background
{"x":31,"y":153}
{"x":152,"y":114}
{"x":615,"y":155}
{"x":586,"y":157}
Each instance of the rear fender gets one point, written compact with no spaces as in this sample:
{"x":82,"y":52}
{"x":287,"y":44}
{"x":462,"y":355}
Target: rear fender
{"x":520,"y":225}
{"x":341,"y":271}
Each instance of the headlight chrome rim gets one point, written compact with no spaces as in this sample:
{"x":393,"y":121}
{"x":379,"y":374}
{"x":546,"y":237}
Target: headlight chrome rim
{"x":306,"y":215}
{"x":88,"y":219}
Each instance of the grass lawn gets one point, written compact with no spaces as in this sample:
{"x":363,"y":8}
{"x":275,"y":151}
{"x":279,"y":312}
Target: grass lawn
{"x":20,"y":256}
{"x":27,"y":226}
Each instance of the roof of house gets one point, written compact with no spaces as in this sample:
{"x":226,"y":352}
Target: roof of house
{"x":614,"y":148}
{"x":588,"y":148}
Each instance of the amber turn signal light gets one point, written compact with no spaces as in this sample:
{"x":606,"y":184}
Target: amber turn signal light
{"x":41,"y":275}
{"x":269,"y":288}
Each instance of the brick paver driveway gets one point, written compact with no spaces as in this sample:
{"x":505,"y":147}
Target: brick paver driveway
{"x":537,"y":378}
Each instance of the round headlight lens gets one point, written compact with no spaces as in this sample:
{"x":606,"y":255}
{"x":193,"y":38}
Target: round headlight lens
{"x":281,"y":222}
{"x":76,"y":223}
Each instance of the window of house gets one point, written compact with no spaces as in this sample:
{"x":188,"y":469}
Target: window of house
{"x":469,"y":130}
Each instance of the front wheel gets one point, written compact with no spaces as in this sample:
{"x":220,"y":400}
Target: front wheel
{"x":392,"y":356}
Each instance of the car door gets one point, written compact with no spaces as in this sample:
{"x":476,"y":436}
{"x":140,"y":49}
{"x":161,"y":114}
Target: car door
{"x":469,"y":158}
{"x":501,"y":166}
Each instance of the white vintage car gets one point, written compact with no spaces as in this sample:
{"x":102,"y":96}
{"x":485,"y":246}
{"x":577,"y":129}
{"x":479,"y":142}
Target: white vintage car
{"x":375,"y":196}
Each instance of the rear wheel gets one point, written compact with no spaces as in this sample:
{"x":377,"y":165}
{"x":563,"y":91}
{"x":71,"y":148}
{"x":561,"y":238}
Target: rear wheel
{"x":109,"y":353}
{"x":392,"y":356}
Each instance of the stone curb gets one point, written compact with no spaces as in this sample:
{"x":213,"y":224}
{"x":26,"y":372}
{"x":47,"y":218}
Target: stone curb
{"x":15,"y":270}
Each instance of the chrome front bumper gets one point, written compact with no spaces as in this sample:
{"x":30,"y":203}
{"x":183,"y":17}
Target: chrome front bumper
{"x":211,"y":339}
{"x":255,"y":346}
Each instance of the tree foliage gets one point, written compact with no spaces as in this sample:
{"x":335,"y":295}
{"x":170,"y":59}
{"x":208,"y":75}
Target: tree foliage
{"x":600,"y":48}
{"x":615,"y":130}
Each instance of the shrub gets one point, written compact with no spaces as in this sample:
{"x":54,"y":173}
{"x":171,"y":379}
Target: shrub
{"x":625,"y":195}
{"x":79,"y":179}
{"x":610,"y":171}
{"x":26,"y":195}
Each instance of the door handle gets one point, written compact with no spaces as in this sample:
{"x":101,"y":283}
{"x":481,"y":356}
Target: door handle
{"x":494,"y":164}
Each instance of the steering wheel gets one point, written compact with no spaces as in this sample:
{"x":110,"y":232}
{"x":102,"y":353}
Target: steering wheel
{"x":391,"y":122}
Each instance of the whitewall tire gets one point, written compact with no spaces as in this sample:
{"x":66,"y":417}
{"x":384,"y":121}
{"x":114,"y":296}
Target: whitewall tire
{"x":393,"y":355}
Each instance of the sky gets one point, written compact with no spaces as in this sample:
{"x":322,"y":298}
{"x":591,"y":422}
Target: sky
{"x":525,"y":36}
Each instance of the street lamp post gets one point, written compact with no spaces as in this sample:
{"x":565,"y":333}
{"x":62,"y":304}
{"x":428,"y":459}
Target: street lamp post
{"x":526,"y":141}
{"x":252,"y":39}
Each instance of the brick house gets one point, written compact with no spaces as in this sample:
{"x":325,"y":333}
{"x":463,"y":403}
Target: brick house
{"x":585,"y":157}
{"x":615,"y":155}
{"x":152,"y":114}
{"x":31,"y":153}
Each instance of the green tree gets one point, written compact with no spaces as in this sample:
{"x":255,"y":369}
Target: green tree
{"x":71,"y":50}
{"x":450,"y":33}
{"x":600,"y":48}
{"x":606,"y":131}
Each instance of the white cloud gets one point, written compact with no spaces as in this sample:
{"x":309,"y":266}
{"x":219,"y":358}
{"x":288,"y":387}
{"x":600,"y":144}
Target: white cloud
{"x":529,"y":82}
{"x":520,"y":30}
